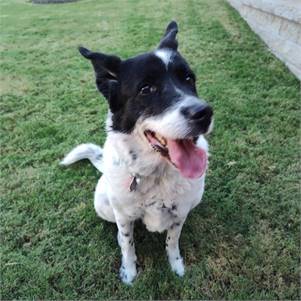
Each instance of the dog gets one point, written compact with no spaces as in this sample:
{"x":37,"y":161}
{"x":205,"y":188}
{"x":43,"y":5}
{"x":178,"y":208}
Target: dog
{"x":155,"y":156}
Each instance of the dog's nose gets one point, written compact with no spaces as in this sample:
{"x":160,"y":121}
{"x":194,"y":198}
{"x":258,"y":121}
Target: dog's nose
{"x":198,"y":113}
{"x":199,"y":117}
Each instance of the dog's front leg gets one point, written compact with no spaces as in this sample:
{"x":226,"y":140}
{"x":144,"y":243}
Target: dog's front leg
{"x":172,"y":248}
{"x":126,"y":242}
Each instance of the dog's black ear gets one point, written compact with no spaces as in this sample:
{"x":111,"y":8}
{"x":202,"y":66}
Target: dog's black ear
{"x":106,"y":69}
{"x":100,"y":61}
{"x":169,"y":39}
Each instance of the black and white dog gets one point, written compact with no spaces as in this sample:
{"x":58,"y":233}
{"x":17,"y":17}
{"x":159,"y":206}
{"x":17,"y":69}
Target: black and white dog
{"x":155,"y":155}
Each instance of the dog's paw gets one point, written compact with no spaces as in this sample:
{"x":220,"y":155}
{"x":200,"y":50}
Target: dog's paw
{"x":177,"y":266}
{"x":127,"y":275}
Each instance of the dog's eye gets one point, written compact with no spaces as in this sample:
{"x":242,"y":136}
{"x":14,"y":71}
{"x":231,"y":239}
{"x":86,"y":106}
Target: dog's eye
{"x":148,"y":89}
{"x":189,"y":79}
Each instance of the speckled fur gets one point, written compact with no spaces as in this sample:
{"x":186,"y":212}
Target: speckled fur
{"x":154,"y":92}
{"x":161,"y":186}
{"x":162,"y":198}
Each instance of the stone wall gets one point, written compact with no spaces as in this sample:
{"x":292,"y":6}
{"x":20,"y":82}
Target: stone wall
{"x":278,"y":23}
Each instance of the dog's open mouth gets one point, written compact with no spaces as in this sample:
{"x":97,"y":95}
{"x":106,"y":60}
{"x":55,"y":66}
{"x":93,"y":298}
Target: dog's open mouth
{"x":182,"y":153}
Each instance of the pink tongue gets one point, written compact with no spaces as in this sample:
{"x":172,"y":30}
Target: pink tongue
{"x":190,"y":160}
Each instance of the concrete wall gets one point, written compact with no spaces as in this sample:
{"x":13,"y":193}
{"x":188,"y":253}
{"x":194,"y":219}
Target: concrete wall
{"x":278,"y":23}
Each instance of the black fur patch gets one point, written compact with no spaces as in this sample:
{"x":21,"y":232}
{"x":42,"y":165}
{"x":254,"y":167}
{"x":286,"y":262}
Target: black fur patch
{"x":142,"y":86}
{"x":133,"y":155}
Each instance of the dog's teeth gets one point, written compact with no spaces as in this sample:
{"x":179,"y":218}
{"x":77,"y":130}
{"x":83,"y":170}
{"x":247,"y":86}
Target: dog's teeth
{"x":160,"y":139}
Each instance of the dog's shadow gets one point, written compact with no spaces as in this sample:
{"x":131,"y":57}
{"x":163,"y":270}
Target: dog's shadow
{"x":201,"y":237}
{"x":149,"y":245}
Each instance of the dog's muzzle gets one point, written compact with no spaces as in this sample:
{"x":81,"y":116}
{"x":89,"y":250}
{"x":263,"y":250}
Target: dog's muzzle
{"x":199,"y":117}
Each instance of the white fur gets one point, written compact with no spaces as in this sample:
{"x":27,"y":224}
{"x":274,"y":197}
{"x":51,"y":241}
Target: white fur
{"x":162,"y":198}
{"x":165,"y":55}
{"x":211,"y":126}
{"x":85,"y":151}
{"x":172,"y":123}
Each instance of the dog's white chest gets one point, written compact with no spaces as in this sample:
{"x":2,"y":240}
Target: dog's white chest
{"x":159,"y":200}
{"x":170,"y":202}
{"x":159,"y":215}
{"x":147,"y":187}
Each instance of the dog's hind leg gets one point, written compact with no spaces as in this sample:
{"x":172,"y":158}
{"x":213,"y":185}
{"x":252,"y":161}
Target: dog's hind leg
{"x":101,"y":202}
{"x":172,"y":248}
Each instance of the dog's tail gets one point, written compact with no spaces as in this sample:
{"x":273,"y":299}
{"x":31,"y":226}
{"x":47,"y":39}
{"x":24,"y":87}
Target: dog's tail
{"x":88,"y":151}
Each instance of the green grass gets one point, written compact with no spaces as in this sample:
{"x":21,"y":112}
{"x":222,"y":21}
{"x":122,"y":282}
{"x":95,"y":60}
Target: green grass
{"x":242,"y":242}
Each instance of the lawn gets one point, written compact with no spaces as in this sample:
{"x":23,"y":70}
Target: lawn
{"x":242,"y":242}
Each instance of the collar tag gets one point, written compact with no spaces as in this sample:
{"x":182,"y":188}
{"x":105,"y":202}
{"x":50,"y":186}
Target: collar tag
{"x":134,"y":183}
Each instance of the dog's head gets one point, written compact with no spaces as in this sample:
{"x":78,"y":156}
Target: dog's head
{"x":155,"y":93}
